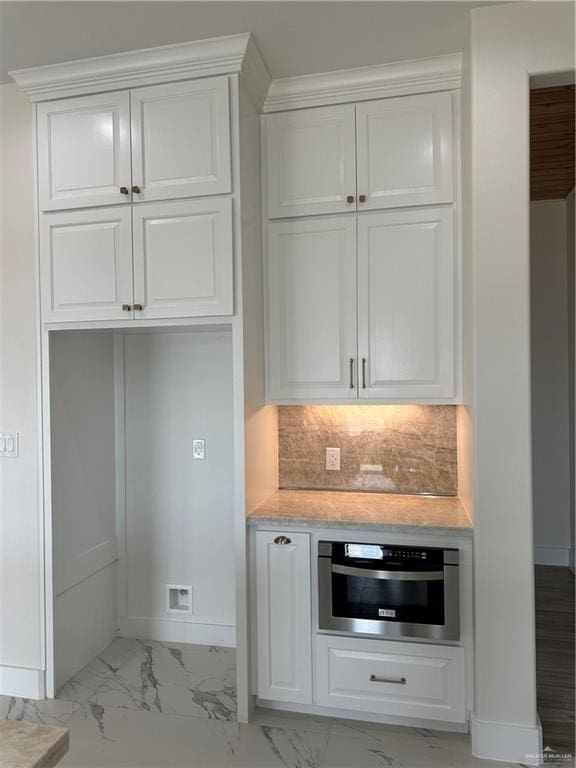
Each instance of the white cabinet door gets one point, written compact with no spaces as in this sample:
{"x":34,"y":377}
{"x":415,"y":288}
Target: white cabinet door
{"x":284,"y":631}
{"x":312,"y":309}
{"x":181,"y":139}
{"x":86,"y":264}
{"x":404,"y":151}
{"x":311,"y":161}
{"x":183,"y":258}
{"x":84,"y":151}
{"x":406,"y":307}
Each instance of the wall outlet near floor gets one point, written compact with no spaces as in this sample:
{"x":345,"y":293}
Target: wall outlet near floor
{"x":333,"y":459}
{"x":178,"y":598}
{"x":198,"y":449}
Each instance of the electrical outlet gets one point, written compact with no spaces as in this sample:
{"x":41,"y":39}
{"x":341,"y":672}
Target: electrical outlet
{"x":333,"y":459}
{"x":9,"y":444}
{"x":198,"y":449}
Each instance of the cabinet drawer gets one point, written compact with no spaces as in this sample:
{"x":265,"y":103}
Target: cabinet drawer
{"x":405,"y":679}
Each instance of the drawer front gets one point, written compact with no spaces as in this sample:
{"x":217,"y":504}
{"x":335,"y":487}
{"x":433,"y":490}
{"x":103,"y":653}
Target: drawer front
{"x":404,"y":679}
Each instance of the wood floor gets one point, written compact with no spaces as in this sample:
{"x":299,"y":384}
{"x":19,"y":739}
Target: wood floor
{"x":555,"y":655}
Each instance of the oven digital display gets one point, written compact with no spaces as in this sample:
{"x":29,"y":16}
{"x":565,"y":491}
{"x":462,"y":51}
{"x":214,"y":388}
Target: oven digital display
{"x":366,"y":551}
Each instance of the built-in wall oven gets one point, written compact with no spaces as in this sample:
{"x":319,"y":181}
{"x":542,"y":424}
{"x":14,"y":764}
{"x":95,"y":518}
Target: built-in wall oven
{"x":388,"y":590}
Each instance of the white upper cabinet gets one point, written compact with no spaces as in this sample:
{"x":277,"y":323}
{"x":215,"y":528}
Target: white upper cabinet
{"x":397,"y":342}
{"x":181,"y":139}
{"x":404,"y":151}
{"x":84,"y":151}
{"x":183,"y":258}
{"x":312,"y":308}
{"x":406,"y":305}
{"x":377,"y":154}
{"x":311,"y":162}
{"x":86,"y":265}
{"x":156,"y":260}
{"x":155,"y":143}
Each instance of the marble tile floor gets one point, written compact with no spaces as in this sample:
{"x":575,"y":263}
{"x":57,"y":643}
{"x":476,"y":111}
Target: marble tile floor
{"x":144,"y":704}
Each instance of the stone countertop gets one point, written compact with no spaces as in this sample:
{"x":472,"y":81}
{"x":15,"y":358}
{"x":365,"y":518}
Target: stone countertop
{"x":27,"y":745}
{"x":387,"y":512}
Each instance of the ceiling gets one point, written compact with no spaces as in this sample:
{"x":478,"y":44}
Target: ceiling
{"x":294,"y":38}
{"x":552,"y":135}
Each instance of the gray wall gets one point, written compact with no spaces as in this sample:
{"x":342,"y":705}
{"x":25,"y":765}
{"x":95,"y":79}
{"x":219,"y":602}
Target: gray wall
{"x":551,"y":382}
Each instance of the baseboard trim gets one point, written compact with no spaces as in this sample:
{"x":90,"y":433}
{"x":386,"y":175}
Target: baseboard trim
{"x":21,"y":682}
{"x":349,"y":714}
{"x":168,"y":631}
{"x":552,"y":556}
{"x":506,"y":742}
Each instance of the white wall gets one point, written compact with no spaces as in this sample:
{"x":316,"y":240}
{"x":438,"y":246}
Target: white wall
{"x":21,"y":598}
{"x":507,"y":44}
{"x":551,"y":475}
{"x":179,"y":517}
{"x":82,"y":387}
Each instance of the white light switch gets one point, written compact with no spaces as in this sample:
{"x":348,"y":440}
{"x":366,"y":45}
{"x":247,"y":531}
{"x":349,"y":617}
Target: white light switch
{"x":9,"y":444}
{"x":198,"y":449}
{"x":333,"y":459}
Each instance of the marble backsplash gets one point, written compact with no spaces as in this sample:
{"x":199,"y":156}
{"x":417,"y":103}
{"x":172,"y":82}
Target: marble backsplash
{"x":385,"y":448}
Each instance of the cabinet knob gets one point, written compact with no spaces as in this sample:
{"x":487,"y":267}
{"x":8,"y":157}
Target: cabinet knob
{"x":136,"y":189}
{"x":138,"y":307}
{"x":124,"y":191}
{"x":282,"y":540}
{"x":350,"y":199}
{"x":126,"y":308}
{"x":362,"y":198}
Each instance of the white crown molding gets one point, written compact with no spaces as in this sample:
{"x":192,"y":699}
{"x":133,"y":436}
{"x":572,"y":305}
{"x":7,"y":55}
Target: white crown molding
{"x":200,"y":58}
{"x":254,"y":75}
{"x":440,"y":73}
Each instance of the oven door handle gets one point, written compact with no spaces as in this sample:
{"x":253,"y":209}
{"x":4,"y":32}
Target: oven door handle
{"x":368,"y":573}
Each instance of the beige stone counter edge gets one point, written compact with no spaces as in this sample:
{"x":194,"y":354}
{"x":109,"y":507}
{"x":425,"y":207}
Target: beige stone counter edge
{"x":329,"y":516}
{"x":290,"y":521}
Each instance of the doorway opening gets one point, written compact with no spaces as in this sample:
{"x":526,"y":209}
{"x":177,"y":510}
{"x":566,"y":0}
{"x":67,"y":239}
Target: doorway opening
{"x":552,"y":209}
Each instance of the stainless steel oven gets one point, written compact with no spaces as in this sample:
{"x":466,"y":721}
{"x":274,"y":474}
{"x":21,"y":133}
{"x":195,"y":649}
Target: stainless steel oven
{"x":389,"y":590}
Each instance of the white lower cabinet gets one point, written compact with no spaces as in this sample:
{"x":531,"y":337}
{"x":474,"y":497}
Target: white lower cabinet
{"x":388,"y":678}
{"x":284,"y":631}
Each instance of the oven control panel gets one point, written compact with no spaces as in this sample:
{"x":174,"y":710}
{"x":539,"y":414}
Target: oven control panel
{"x":362,"y":552}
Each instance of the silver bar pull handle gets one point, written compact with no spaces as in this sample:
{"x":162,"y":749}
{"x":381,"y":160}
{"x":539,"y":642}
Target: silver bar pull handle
{"x":368,"y":573}
{"x":395,"y":680}
{"x":363,"y":373}
{"x":351,"y":373}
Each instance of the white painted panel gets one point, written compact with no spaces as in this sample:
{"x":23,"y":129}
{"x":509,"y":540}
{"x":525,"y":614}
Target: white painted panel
{"x":284,"y":617}
{"x":405,"y":150}
{"x":311,"y":161}
{"x":179,"y":511}
{"x":84,"y":151}
{"x":312,"y":308}
{"x":21,"y":550}
{"x":181,"y":139}
{"x":83,"y":455}
{"x":183,"y":258}
{"x":86,"y":264}
{"x":406,"y":308}
{"x":412,"y":679}
{"x":84,"y":623}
